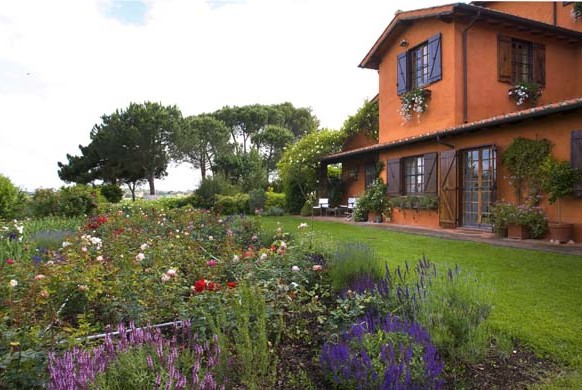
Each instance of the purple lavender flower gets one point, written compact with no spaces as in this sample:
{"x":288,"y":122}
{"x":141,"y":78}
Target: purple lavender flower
{"x":347,"y":363}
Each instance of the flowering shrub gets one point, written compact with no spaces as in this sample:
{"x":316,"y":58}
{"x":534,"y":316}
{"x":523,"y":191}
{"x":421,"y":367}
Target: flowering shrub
{"x":142,"y":263}
{"x":414,"y":101}
{"x":532,"y":217}
{"x":373,"y":200}
{"x":386,"y":353}
{"x":524,"y":92}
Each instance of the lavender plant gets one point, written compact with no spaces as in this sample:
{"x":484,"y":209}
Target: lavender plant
{"x":450,"y":305}
{"x":386,"y":353}
{"x":140,"y":358}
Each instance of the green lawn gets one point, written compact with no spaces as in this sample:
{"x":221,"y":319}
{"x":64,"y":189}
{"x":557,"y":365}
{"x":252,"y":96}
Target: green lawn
{"x":538,"y":295}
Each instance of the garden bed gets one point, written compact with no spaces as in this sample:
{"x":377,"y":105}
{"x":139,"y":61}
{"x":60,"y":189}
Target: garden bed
{"x":274,"y":300}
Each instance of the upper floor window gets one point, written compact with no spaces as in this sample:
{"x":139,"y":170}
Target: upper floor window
{"x":419,"y":66}
{"x":520,"y":61}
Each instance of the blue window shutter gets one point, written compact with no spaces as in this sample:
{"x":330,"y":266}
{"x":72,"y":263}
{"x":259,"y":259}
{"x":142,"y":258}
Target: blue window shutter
{"x":401,"y":73}
{"x":435,"y":71}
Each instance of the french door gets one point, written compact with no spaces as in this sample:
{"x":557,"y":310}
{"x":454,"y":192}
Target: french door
{"x":479,"y":177}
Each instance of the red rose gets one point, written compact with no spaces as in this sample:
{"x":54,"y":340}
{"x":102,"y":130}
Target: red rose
{"x":211,"y":286}
{"x":9,"y":261}
{"x":231,"y":284}
{"x":200,"y":285}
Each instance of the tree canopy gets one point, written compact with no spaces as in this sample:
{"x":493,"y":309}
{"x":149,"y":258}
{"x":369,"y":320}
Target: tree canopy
{"x":129,"y":145}
{"x":199,"y":141}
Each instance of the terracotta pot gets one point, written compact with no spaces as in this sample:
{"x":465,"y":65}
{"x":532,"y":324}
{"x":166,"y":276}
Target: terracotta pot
{"x":517,"y":232}
{"x":561,"y":232}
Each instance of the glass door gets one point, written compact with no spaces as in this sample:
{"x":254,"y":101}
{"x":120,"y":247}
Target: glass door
{"x":478,"y":186}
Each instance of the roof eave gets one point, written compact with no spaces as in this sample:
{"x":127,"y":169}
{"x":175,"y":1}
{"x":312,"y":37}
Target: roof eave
{"x":471,"y":127}
{"x":373,"y":57}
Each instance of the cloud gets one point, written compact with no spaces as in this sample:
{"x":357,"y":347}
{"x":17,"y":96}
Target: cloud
{"x":67,"y":62}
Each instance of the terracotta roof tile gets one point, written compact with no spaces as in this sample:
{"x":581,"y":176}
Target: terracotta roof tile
{"x":562,"y":106}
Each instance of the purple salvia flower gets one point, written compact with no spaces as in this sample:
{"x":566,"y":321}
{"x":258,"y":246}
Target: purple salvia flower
{"x":208,"y":382}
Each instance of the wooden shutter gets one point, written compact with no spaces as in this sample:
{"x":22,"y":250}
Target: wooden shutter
{"x":430,"y":174}
{"x":539,"y":64}
{"x":393,"y":177}
{"x":401,"y":74}
{"x":435,"y":72}
{"x":576,"y":158}
{"x":448,"y":199}
{"x":504,"y":59}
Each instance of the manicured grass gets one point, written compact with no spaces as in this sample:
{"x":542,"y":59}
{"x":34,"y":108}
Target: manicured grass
{"x":538,"y":295}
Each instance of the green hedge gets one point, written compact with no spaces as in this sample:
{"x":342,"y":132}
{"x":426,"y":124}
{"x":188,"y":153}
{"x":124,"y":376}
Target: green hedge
{"x":71,"y":201}
{"x":275,"y":199}
{"x":236,"y":204}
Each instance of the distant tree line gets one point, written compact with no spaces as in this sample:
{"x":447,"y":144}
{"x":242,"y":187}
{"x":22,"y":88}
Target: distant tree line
{"x":135,"y":145}
{"x":251,"y":146}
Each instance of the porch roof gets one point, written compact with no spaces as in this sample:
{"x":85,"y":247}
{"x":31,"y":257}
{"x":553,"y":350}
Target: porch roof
{"x":447,"y":12}
{"x":438,"y":134}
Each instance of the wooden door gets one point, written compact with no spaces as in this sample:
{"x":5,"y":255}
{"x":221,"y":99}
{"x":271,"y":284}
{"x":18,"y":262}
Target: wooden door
{"x":448,"y":189}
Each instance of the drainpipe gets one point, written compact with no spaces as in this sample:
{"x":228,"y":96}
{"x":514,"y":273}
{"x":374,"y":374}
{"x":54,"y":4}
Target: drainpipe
{"x":465,"y":66}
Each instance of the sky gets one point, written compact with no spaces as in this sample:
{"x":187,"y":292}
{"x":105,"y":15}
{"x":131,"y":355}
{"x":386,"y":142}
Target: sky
{"x":65,"y":63}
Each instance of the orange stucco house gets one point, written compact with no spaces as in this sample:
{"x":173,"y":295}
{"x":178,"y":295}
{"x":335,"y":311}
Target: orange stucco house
{"x":468,"y":56}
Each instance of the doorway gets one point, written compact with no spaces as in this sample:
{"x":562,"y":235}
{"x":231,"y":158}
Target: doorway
{"x":479,"y":178}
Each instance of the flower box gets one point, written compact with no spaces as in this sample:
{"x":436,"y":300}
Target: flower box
{"x":517,"y":232}
{"x":524,"y":92}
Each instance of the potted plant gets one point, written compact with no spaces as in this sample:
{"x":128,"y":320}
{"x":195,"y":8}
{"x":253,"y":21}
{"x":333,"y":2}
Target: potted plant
{"x":518,"y":222}
{"x":501,"y":213}
{"x":415,"y":100}
{"x":373,"y":200}
{"x":558,"y":179}
{"x":525,"y":92}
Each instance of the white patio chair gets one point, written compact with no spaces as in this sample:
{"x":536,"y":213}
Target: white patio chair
{"x":322,"y":205}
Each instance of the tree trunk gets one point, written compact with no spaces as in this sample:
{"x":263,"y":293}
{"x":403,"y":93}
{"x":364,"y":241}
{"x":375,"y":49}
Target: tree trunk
{"x":152,"y":186}
{"x":203,"y":168}
{"x":132,"y":190}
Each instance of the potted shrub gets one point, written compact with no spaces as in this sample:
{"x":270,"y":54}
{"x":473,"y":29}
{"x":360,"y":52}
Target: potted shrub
{"x":558,"y":179}
{"x":373,"y":200}
{"x":500,"y":214}
{"x":518,"y":222}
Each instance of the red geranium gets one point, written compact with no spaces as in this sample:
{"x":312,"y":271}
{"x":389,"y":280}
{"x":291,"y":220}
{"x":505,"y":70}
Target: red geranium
{"x":211,"y":286}
{"x":231,"y":284}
